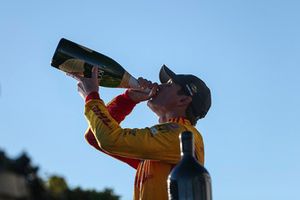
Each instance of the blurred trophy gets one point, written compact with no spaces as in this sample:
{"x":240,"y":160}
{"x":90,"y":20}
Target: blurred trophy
{"x":189,"y":180}
{"x":74,"y":58}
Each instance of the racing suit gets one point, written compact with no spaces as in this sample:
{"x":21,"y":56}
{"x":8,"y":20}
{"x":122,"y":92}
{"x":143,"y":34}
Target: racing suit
{"x":153,"y":151}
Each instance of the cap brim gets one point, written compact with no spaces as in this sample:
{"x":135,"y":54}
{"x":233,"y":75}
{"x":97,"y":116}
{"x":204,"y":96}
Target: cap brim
{"x":166,"y":74}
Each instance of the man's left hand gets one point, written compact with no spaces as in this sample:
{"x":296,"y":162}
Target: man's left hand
{"x":87,"y":85}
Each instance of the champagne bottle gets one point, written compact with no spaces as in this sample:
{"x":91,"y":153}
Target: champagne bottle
{"x":189,"y":180}
{"x":74,"y":58}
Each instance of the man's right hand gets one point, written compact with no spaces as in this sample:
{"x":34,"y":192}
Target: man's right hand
{"x":140,"y":94}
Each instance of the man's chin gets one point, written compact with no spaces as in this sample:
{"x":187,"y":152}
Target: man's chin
{"x":151,"y":105}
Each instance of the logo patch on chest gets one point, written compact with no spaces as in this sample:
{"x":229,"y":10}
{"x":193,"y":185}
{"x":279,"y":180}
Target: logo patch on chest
{"x":163,"y":128}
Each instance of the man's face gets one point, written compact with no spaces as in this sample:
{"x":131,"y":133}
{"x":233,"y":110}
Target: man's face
{"x":167,"y":98}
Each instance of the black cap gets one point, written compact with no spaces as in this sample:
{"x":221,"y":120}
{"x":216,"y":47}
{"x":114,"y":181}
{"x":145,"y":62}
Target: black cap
{"x":192,"y":86}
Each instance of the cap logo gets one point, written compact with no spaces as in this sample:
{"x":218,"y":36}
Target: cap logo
{"x":194,"y":88}
{"x":189,"y":89}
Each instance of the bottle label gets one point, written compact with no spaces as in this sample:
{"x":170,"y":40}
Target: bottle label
{"x":72,"y":66}
{"x":100,"y":74}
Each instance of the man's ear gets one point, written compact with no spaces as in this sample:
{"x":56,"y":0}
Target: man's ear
{"x":184,"y":101}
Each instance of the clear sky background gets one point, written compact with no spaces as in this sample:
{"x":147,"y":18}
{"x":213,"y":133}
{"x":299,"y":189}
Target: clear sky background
{"x":247,"y":51}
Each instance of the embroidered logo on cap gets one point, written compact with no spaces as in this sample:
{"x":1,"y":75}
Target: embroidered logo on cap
{"x":194,"y":88}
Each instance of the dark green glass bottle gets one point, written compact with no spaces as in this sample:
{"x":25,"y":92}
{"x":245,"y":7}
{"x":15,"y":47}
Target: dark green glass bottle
{"x":189,"y":180}
{"x":74,"y":58}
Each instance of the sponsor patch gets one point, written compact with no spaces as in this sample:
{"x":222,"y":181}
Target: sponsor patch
{"x":153,"y":130}
{"x":163,"y":128}
{"x":133,"y":131}
{"x":101,"y":116}
{"x":129,"y":131}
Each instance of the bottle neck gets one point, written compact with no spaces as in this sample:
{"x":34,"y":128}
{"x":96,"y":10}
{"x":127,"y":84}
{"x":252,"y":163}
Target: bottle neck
{"x":187,"y":146}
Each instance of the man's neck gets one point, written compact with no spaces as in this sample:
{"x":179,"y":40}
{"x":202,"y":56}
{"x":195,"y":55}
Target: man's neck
{"x":170,"y":115}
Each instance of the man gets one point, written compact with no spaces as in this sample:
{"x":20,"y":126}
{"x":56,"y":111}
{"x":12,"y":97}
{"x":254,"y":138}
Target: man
{"x":179,"y":101}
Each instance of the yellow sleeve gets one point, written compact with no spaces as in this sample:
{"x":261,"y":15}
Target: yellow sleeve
{"x":160,"y":142}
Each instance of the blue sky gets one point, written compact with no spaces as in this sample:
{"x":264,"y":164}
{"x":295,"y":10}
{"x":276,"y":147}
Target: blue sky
{"x":246,"y":51}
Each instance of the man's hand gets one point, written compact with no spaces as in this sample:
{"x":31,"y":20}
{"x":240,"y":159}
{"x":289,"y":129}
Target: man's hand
{"x":140,"y":94}
{"x":87,"y":85}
